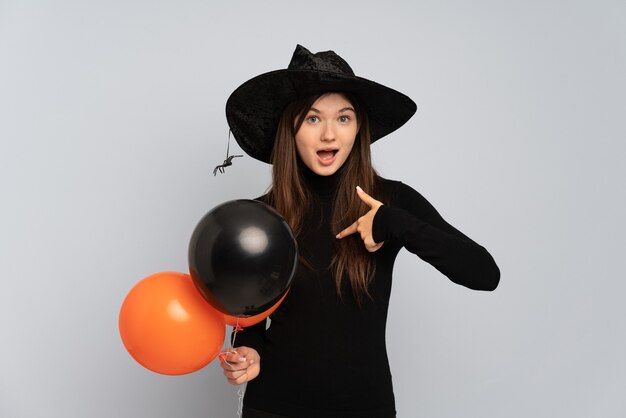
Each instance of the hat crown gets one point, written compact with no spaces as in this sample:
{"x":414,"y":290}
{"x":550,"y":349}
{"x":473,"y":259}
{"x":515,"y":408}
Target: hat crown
{"x":325,"y":61}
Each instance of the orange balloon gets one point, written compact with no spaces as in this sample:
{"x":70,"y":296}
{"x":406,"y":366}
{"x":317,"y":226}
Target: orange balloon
{"x":168,"y":327}
{"x":252,"y":320}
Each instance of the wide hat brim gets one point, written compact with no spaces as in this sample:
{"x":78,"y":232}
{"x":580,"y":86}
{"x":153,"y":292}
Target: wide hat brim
{"x":254,"y":108}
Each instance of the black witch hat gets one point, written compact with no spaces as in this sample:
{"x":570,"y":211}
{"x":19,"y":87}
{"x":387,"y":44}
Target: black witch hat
{"x":254,"y":108}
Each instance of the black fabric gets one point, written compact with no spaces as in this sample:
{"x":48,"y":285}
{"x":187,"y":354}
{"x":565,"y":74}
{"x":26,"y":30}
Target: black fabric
{"x":255,"y":413}
{"x":254,"y":108}
{"x":328,"y":61}
{"x":323,"y":356}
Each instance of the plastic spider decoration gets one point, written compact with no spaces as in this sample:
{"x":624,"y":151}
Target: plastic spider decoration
{"x":228,"y":161}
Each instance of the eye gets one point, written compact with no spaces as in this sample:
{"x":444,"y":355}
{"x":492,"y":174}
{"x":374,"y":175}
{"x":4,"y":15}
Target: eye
{"x":344,"y":119}
{"x":312,"y":119}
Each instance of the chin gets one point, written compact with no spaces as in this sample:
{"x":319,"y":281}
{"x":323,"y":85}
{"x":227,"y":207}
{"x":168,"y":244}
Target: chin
{"x":325,"y":170}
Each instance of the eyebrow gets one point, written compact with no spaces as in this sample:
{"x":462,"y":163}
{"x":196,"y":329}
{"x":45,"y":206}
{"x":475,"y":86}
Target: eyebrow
{"x":312,"y":109}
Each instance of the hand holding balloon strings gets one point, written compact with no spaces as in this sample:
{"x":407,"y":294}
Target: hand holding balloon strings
{"x":230,"y":368}
{"x":240,"y":366}
{"x":364,"y":224}
{"x":242,"y":258}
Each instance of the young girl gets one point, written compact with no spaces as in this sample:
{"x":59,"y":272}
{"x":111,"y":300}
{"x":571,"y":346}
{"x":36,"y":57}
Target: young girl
{"x":324,"y":354}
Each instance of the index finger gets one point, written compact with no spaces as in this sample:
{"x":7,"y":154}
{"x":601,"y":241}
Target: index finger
{"x":348,"y":231}
{"x":367,"y":199}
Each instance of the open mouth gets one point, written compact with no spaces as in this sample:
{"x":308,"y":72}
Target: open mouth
{"x":327,"y":154}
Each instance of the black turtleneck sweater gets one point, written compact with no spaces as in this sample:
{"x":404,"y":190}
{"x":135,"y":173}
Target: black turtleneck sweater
{"x":325,"y":357}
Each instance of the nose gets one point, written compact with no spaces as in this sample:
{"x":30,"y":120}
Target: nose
{"x":329,"y":132}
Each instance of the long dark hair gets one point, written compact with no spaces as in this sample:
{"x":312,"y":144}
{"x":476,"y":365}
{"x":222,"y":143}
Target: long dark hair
{"x":290,"y":197}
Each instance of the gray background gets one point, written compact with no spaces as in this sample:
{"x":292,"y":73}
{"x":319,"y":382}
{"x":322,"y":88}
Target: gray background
{"x":112,"y":119}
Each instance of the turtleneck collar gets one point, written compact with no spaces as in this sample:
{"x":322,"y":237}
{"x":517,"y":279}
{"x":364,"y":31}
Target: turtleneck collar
{"x":322,"y":186}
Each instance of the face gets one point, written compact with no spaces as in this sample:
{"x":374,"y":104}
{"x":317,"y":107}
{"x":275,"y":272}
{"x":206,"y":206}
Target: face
{"x":325,"y":139}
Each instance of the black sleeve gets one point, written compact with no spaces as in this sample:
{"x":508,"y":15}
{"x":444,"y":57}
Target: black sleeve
{"x":252,"y":336}
{"x":416,"y":225}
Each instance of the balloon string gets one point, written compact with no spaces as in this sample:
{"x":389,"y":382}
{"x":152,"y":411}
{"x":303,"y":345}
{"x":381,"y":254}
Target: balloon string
{"x":242,"y":388}
{"x":240,"y":392}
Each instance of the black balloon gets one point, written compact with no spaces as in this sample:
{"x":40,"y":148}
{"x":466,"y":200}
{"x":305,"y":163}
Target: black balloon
{"x":242,"y":257}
